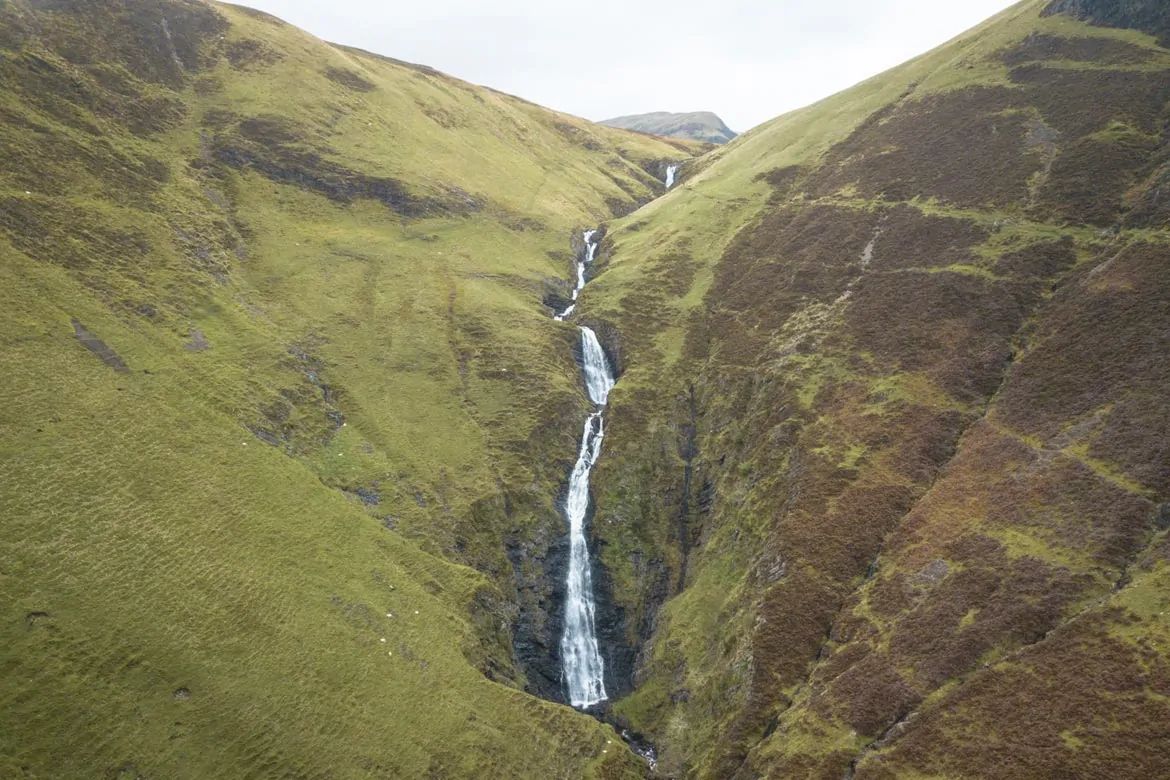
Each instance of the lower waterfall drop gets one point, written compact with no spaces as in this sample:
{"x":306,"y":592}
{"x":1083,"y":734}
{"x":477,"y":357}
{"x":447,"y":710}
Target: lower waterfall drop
{"x":671,"y":172}
{"x":583,"y":669}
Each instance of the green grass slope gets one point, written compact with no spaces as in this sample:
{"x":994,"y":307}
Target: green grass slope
{"x":279,"y":393}
{"x":885,"y":490}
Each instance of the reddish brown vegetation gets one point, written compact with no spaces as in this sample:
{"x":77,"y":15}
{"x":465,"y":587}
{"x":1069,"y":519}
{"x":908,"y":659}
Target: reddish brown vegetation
{"x":1100,"y":359}
{"x":959,"y":147}
{"x":1099,"y":51}
{"x":910,"y":239}
{"x":1078,"y":705}
{"x":1149,"y":16}
{"x":902,"y":547}
{"x":954,"y":327}
{"x":791,"y":254}
{"x":1081,"y":102}
{"x":1091,"y":177}
{"x":1038,"y":261}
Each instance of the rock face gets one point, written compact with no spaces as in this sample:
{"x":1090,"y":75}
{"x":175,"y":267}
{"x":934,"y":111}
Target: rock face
{"x":99,"y":348}
{"x":1150,"y":16}
{"x":697,"y":126}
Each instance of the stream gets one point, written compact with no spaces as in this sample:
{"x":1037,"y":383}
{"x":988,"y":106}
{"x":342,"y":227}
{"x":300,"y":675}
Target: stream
{"x":583,"y":669}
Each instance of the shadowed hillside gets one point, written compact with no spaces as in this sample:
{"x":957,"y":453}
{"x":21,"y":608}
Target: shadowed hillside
{"x":891,"y":442}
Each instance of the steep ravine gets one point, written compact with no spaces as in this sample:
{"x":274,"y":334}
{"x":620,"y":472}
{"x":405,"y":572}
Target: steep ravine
{"x":582,"y":668}
{"x":575,"y":649}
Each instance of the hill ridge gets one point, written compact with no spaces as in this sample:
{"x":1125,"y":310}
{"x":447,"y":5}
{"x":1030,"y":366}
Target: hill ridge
{"x":696,"y":125}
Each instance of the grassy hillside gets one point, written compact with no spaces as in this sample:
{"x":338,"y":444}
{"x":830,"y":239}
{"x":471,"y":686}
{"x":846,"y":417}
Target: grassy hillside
{"x":280,"y":394}
{"x":285,"y":416}
{"x":885,"y":489}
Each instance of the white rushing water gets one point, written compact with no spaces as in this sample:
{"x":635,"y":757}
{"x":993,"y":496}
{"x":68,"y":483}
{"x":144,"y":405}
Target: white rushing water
{"x":582,"y":666}
{"x":671,"y":170}
{"x":583,"y":262}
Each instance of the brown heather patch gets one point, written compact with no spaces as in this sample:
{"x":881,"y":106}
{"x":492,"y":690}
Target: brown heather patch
{"x":911,"y":239}
{"x":1077,"y":705}
{"x":959,"y":147}
{"x":874,"y":696}
{"x":792,"y":254}
{"x":131,"y":32}
{"x":782,"y":645}
{"x":1082,"y":102}
{"x":1151,"y":208}
{"x":1102,"y":352}
{"x":839,"y":660}
{"x":932,"y":432}
{"x":1090,"y":178}
{"x":251,"y":54}
{"x":52,"y":232}
{"x":350,"y":79}
{"x":832,"y":523}
{"x":1006,"y":486}
{"x":954,"y":327}
{"x":783,"y":180}
{"x":1014,"y":602}
{"x":1038,"y":261}
{"x":969,"y":147}
{"x":1098,"y":51}
{"x":956,"y":595}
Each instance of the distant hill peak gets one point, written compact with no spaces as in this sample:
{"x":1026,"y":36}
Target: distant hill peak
{"x":696,"y":126}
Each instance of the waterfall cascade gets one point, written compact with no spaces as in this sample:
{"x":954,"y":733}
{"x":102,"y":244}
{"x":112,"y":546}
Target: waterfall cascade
{"x":582,"y":667}
{"x":671,"y":171}
{"x":583,"y":262}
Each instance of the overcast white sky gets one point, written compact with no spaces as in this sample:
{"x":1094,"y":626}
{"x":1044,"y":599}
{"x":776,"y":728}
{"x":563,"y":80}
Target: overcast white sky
{"x":746,"y":60}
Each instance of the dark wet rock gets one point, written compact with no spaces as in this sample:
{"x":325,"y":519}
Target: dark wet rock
{"x":539,"y":564}
{"x":99,"y":348}
{"x":368,"y":496}
{"x":934,"y":573}
{"x":198,"y":342}
{"x":32,"y":618}
{"x":618,"y":649}
{"x":267,"y":437}
{"x":1149,"y":16}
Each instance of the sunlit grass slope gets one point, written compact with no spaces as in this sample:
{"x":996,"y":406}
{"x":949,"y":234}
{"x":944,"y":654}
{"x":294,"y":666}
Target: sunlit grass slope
{"x":336,"y":394}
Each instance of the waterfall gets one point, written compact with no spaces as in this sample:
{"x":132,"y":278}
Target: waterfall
{"x":671,"y":170}
{"x":583,"y":261}
{"x":598,"y":376}
{"x":582,"y":667}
